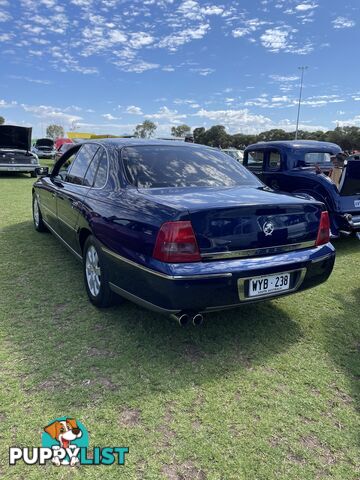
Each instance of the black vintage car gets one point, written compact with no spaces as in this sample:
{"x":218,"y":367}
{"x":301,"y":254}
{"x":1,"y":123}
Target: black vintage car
{"x":15,"y":154}
{"x":312,"y":168}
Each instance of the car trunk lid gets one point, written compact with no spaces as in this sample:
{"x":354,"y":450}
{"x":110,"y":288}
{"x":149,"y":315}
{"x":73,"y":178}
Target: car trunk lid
{"x":240,"y":221}
{"x":14,"y":137}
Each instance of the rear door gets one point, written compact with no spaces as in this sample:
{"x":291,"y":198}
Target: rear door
{"x":255,"y":163}
{"x":73,"y":190}
{"x":272,"y":168}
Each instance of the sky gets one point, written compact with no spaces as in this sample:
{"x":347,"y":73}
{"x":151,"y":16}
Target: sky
{"x":104,"y":66}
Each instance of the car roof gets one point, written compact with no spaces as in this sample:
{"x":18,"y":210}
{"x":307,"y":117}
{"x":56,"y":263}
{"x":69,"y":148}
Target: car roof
{"x":135,"y":142}
{"x":298,"y":145}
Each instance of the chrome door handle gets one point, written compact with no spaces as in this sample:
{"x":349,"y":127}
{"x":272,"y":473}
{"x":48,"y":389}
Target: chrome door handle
{"x":75,"y":204}
{"x":53,"y":194}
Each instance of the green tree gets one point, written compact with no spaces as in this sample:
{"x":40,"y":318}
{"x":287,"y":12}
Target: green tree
{"x":2,"y":120}
{"x":180,"y":130}
{"x":145,"y":129}
{"x":274,"y":134}
{"x":199,"y":135}
{"x":54,"y":131}
{"x":216,"y":136}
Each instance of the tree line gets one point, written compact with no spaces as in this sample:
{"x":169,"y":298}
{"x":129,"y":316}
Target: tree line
{"x":216,"y":136}
{"x":348,"y":138}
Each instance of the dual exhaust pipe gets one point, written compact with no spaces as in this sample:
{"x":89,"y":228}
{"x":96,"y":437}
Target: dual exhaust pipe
{"x":184,"y":318}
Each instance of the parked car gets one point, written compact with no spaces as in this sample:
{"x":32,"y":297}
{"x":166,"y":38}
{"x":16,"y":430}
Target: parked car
{"x":15,"y":154}
{"x":234,"y":153}
{"x":44,"y":148}
{"x":179,"y":228}
{"x":306,"y":167}
{"x":61,"y":141}
{"x":63,"y":148}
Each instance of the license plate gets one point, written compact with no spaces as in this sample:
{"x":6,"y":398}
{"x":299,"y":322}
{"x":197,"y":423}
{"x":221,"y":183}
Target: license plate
{"x":357,"y":203}
{"x":269,"y":284}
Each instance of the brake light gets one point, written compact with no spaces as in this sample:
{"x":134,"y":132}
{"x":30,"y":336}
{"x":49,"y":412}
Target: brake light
{"x":324,"y":229}
{"x":176,"y":243}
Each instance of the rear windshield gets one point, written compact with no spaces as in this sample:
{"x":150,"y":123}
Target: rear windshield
{"x":176,"y":166}
{"x":313,"y":158}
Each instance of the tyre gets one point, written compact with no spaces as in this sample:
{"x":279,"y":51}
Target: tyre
{"x":37,"y":217}
{"x":96,"y":276}
{"x":33,"y":174}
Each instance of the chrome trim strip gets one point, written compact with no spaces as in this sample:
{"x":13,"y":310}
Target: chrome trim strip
{"x":241,"y":285}
{"x":164,"y":275}
{"x":140,"y":301}
{"x":323,"y":257}
{"x":79,"y":257}
{"x":258,"y":251}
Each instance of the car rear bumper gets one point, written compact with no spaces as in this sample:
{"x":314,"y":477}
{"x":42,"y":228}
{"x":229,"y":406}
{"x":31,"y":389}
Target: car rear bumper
{"x":217,"y":285}
{"x":18,"y":168}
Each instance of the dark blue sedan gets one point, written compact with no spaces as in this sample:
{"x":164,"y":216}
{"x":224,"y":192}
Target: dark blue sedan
{"x":179,"y":228}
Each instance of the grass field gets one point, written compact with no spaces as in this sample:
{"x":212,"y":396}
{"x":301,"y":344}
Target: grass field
{"x":263,"y":392}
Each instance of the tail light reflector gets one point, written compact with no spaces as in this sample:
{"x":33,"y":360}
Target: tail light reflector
{"x":176,"y":243}
{"x":323,"y":235}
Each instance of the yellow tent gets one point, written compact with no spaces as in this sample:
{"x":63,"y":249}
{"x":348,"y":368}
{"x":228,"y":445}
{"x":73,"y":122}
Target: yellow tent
{"x":83,"y":135}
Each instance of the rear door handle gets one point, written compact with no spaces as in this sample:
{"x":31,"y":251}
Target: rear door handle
{"x":75,"y":204}
{"x":53,"y":194}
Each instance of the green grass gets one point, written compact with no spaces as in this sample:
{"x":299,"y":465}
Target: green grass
{"x":262,"y":392}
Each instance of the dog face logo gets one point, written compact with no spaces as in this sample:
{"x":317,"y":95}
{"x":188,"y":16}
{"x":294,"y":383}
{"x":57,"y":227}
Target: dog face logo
{"x":65,"y":433}
{"x":268,"y":228}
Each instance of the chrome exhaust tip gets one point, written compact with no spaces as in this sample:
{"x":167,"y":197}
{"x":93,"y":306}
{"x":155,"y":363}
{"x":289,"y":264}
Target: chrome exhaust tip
{"x":197,"y":319}
{"x":182,"y":319}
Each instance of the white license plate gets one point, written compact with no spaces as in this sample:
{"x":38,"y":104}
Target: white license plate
{"x":357,"y":203}
{"x":269,"y":284}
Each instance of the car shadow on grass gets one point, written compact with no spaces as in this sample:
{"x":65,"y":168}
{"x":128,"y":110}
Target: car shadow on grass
{"x":73,"y":354}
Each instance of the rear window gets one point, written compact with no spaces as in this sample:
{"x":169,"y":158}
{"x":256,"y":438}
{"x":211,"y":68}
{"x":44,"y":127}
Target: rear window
{"x":175,"y":166}
{"x":312,"y":158}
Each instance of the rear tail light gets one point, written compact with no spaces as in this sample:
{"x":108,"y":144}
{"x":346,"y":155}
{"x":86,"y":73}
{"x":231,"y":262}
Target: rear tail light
{"x":176,"y":243}
{"x":324,"y":229}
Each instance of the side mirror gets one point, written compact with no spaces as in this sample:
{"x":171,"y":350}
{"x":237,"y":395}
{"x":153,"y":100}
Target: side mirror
{"x":42,"y":171}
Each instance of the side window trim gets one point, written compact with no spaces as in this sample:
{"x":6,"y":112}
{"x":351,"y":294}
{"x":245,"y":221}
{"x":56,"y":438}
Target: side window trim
{"x":97,"y":169}
{"x":72,"y":164}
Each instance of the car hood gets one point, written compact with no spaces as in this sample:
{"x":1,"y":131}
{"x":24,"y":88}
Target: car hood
{"x":14,"y":137}
{"x":44,"y":142}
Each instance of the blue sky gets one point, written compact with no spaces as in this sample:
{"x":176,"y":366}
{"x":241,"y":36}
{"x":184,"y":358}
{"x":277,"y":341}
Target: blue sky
{"x":106,"y":65}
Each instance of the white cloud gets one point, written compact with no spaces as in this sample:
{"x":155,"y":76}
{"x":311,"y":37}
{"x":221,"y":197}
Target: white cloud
{"x":236,"y":120}
{"x":342,"y":22}
{"x":304,"y":7}
{"x":5,"y":37}
{"x":141,"y":39}
{"x":4,"y":17}
{"x":204,"y":72}
{"x":133,"y":110}
{"x":275,"y":39}
{"x":284,"y":78}
{"x":247,"y":27}
{"x":108,"y":116}
{"x":165,"y":113}
{"x":174,"y":40}
{"x":51,"y":113}
{"x":212,"y":10}
{"x":5,"y":104}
